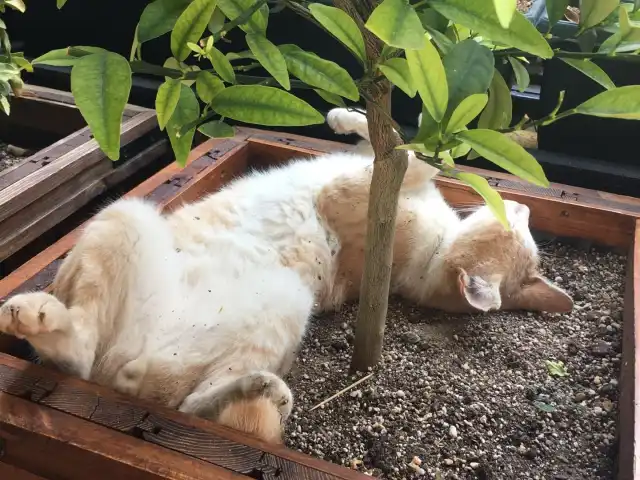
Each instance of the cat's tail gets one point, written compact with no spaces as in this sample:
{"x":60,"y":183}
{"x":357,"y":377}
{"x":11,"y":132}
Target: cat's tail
{"x":259,"y":417}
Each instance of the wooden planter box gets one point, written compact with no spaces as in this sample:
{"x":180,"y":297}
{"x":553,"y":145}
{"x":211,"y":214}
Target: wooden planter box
{"x":75,"y":426}
{"x":69,"y":170}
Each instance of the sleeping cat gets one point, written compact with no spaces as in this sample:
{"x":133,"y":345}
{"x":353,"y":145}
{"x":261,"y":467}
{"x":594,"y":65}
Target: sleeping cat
{"x":204,"y":309}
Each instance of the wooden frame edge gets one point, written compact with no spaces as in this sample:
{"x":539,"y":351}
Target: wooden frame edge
{"x":32,"y":397}
{"x":629,"y":406}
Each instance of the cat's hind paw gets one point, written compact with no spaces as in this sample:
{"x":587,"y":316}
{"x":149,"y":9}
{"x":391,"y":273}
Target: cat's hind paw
{"x":30,"y":314}
{"x":269,"y":385}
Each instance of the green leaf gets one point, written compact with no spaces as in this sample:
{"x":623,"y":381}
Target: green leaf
{"x":187,"y":112}
{"x":441,"y":40}
{"x":5,"y":106}
{"x":460,"y":151}
{"x":433,"y":20}
{"x":467,"y":110}
{"x":505,"y":153}
{"x":556,"y":10}
{"x":469,"y":69}
{"x":556,"y":369}
{"x":22,"y":62}
{"x":60,"y":3}
{"x":478,"y":17}
{"x":592,"y":12}
{"x":397,"y":24}
{"x":591,"y":70}
{"x":491,"y":197}
{"x":16,"y":5}
{"x":159,"y":17}
{"x":166,"y":101}
{"x":190,"y":26}
{"x":429,"y":78}
{"x":208,"y":86}
{"x":522,"y":76}
{"x":8,"y":71}
{"x":100,"y":84}
{"x":505,"y":10}
{"x":244,"y":55}
{"x":620,"y":102}
{"x":342,"y":26}
{"x":626,"y":39}
{"x":397,"y":71}
{"x":269,"y":57}
{"x":545,"y":407}
{"x":216,"y":22}
{"x":331,"y":98}
{"x":265,"y":106}
{"x":428,"y":128}
{"x":61,"y":57}
{"x":257,"y":23}
{"x":318,"y":72}
{"x":222,"y":65}
{"x":498,"y":112}
{"x":216,"y":129}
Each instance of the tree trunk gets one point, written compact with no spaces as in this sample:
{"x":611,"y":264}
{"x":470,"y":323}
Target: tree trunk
{"x":389,"y":167}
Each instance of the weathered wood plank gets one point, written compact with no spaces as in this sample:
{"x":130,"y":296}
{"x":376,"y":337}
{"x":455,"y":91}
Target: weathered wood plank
{"x":199,"y":439}
{"x":226,"y":162}
{"x":10,"y":472}
{"x":46,"y":212}
{"x":66,"y":98}
{"x":629,"y":405}
{"x":43,"y":157}
{"x":54,"y":445}
{"x":26,"y":190}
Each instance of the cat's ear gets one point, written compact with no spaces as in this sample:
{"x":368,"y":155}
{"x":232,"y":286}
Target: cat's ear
{"x":482,"y":293}
{"x":542,"y":296}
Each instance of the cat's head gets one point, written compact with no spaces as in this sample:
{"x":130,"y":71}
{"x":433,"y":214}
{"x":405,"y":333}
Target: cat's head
{"x":497,"y":269}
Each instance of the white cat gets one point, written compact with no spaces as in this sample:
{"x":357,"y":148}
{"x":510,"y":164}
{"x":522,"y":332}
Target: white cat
{"x":203,"y":310}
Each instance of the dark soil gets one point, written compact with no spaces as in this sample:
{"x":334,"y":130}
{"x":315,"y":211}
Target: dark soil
{"x":471,"y":397}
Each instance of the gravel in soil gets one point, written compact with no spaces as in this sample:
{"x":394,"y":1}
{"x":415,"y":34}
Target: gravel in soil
{"x":472,"y":396}
{"x":10,"y":155}
{"x":524,"y":5}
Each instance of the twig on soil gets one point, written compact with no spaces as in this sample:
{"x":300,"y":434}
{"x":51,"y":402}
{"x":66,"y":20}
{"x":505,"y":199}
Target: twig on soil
{"x":344,"y":390}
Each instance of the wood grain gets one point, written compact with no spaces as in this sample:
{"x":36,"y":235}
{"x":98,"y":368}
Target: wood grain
{"x":94,"y":406}
{"x":46,"y":212}
{"x":43,"y":157}
{"x":226,"y":162}
{"x":9,"y":472}
{"x":54,"y":445}
{"x":629,"y":424}
{"x":21,"y":193}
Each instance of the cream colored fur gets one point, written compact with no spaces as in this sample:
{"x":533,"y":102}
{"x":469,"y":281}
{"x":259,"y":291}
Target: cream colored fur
{"x":203,"y":310}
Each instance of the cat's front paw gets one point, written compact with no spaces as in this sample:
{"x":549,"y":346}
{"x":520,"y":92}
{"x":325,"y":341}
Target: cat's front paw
{"x":269,"y":385}
{"x":29,"y":314}
{"x":344,"y":121}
